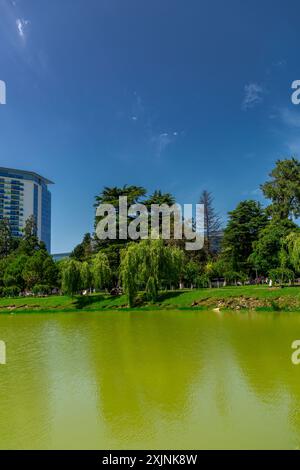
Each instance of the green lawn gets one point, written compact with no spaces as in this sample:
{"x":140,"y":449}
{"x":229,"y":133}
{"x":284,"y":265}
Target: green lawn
{"x":188,"y":296}
{"x":257,"y":297}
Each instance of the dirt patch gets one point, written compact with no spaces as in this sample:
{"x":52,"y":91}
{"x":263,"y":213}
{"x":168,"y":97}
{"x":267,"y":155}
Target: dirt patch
{"x":18,"y":307}
{"x":249,"y":303}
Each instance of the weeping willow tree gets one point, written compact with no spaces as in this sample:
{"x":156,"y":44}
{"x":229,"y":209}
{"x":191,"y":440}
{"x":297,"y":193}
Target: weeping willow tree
{"x":173,"y":266}
{"x":129,"y":272}
{"x":292,"y":247}
{"x":148,"y":266}
{"x":71,"y":277}
{"x":101,"y":271}
{"x":86,"y":276}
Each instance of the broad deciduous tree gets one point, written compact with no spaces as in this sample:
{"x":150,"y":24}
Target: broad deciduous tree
{"x":284,"y":189}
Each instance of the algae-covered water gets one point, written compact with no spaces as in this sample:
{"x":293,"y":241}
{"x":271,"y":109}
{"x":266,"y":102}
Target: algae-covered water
{"x":149,"y":380}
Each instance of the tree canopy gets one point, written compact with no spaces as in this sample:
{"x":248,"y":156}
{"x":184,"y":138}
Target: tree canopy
{"x":257,"y":241}
{"x":243,"y":229}
{"x":283,"y":189}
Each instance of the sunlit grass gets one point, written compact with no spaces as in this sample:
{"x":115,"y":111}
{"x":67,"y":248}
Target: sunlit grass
{"x":183,"y":299}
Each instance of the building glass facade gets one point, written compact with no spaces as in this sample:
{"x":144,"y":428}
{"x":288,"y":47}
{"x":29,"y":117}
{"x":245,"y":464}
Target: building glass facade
{"x":46,"y":215}
{"x":23,"y":194}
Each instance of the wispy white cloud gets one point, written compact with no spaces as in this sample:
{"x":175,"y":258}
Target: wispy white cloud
{"x":252,"y":193}
{"x":256,"y":192}
{"x":138,"y":109}
{"x":249,"y":156}
{"x":280,"y":63}
{"x":146,"y":123}
{"x":285,"y":126}
{"x":15,"y":27}
{"x":22,"y":26}
{"x":290,"y":118}
{"x":253,"y":96}
{"x":162,"y":141}
{"x":293,"y":146}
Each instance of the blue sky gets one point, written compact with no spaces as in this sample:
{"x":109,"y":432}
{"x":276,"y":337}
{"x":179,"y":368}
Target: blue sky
{"x":182,"y":95}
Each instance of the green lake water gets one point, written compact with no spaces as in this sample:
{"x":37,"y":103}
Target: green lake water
{"x":161,"y":380}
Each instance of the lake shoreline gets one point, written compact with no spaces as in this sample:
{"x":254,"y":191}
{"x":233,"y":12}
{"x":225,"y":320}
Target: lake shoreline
{"x":243,"y":298}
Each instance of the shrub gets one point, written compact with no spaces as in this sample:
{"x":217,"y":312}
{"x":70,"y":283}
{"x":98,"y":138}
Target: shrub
{"x":282,"y":275}
{"x":41,"y":289}
{"x":233,"y":277}
{"x":275,"y":306}
{"x":203,"y":281}
{"x":12,"y":291}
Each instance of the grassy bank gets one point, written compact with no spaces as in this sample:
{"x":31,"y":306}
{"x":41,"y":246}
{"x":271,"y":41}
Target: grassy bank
{"x":259,"y":298}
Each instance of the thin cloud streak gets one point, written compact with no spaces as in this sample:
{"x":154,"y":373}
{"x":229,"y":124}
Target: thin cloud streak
{"x":290,"y":118}
{"x":162,"y":141}
{"x":22,"y":25}
{"x":253,"y":96}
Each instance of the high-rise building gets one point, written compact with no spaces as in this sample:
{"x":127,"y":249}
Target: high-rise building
{"x":23,"y":194}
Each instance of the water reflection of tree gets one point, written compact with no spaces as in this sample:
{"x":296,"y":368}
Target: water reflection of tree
{"x":127,"y":378}
{"x":24,"y":385}
{"x":261,"y":344}
{"x":145,"y":362}
{"x":151,"y":368}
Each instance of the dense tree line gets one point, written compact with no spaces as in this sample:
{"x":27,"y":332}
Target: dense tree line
{"x":25,"y":264}
{"x":257,"y":242}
